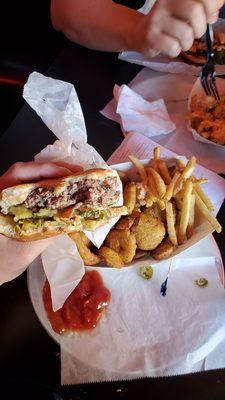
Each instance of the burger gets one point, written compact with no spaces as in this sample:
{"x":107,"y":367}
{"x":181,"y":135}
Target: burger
{"x":82,"y":201}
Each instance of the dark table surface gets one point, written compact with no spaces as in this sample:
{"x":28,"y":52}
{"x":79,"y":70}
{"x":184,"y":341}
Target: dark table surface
{"x":29,"y":359}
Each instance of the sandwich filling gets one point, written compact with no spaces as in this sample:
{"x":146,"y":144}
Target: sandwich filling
{"x":95,"y":193}
{"x":80,"y":203}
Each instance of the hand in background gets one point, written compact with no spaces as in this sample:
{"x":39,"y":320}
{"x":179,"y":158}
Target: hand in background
{"x":172,"y":25}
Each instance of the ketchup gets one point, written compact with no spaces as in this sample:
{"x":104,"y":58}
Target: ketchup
{"x":83,"y":308}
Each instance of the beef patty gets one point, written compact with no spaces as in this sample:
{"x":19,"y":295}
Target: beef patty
{"x":89,"y":192}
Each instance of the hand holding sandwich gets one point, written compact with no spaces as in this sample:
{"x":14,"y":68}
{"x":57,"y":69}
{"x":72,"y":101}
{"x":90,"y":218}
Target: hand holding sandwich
{"x":18,"y":253}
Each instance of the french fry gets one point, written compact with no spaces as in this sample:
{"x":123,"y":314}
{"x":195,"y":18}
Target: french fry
{"x":185,"y":211}
{"x":163,"y":171}
{"x":171,"y":223}
{"x":124,"y":178}
{"x":159,"y":183}
{"x":161,"y":204}
{"x":207,"y":214}
{"x":191,"y":221}
{"x":197,"y":182}
{"x":186,"y":173}
{"x":204,"y":198}
{"x":151,"y":186}
{"x":149,"y":199}
{"x":129,"y":196}
{"x":157,"y":153}
{"x":180,"y":164}
{"x":140,"y":167}
{"x":170,"y":187}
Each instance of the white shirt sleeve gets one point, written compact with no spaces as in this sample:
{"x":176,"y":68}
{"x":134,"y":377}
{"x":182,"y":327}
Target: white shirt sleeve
{"x":147,"y":6}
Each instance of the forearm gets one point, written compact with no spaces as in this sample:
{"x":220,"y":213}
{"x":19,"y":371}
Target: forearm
{"x":98,"y":24}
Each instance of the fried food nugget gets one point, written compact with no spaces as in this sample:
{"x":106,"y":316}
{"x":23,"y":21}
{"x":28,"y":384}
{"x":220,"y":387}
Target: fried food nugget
{"x":83,"y":247}
{"x":149,"y":232}
{"x":163,"y":251}
{"x":123,"y":242}
{"x":156,"y":212}
{"x":125,"y":223}
{"x":110,"y":257}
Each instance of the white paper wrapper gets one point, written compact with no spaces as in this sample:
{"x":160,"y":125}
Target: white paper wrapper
{"x":57,"y":104}
{"x":143,"y":333}
{"x":162,"y":63}
{"x":149,"y":118}
{"x":198,"y":90}
{"x":63,"y":267}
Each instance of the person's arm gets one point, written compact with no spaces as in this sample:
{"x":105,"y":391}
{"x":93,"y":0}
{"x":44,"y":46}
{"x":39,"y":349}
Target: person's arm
{"x":15,"y":255}
{"x":98,"y":24}
{"x":170,"y":26}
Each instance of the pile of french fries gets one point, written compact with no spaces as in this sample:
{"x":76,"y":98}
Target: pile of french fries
{"x":162,"y":210}
{"x":169,"y":186}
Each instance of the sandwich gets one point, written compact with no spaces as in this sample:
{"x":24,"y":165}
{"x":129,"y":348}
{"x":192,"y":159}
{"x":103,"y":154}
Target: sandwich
{"x":197,"y":54}
{"x":46,"y":208}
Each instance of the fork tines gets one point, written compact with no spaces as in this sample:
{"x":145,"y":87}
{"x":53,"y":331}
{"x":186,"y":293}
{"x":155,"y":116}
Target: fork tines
{"x":208,"y":74}
{"x":208,"y":82}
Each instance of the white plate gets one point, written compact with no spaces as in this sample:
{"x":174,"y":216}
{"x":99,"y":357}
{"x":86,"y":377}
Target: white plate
{"x":36,"y":279}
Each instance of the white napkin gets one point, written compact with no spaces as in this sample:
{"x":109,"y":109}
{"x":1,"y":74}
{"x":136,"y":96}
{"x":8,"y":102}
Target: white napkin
{"x":137,"y":114}
{"x":145,"y":334}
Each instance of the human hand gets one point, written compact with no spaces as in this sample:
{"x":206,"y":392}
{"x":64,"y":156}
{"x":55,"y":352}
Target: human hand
{"x":172,"y":25}
{"x":15,"y":255}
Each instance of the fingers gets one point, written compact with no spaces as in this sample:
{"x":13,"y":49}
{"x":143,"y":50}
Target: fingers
{"x":165,"y":44}
{"x":31,"y":171}
{"x":172,"y":25}
{"x":193,"y":12}
{"x":212,"y":8}
{"x":179,"y":30}
{"x":213,"y":18}
{"x":73,"y":168}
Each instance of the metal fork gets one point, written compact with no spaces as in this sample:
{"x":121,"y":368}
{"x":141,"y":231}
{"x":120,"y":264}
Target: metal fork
{"x":208,"y":73}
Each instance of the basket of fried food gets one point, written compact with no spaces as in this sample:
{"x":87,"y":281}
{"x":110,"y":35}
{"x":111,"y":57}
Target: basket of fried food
{"x":168,"y":212}
{"x":206,"y":115}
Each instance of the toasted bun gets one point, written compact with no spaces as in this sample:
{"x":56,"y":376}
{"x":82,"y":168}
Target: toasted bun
{"x":17,"y":194}
{"x":7,"y":229}
{"x":193,"y":59}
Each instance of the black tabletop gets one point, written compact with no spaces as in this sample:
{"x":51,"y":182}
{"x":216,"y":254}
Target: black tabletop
{"x":29,"y":359}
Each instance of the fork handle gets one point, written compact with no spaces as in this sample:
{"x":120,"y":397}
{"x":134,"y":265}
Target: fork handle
{"x":209,"y":41}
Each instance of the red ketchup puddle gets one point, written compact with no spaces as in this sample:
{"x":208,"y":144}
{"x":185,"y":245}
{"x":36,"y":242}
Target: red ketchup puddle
{"x":83,"y":308}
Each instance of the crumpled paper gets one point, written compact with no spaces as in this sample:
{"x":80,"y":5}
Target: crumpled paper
{"x":57,"y":104}
{"x":139,"y":115}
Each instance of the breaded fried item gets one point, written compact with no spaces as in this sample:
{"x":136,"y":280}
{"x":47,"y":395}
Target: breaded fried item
{"x":163,"y":251}
{"x":156,"y":212}
{"x":84,"y":248}
{"x":110,"y":257}
{"x":125,"y":222}
{"x":123,"y":242}
{"x":149,"y":232}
